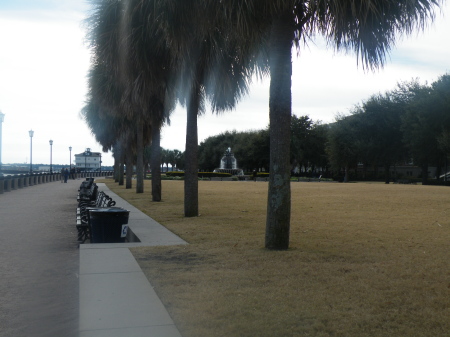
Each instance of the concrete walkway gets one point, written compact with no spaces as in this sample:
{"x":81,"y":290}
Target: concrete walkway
{"x":51,"y":287}
{"x":39,"y":259}
{"x":116,"y":298}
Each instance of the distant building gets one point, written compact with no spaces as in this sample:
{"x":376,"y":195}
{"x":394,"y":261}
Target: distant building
{"x":88,"y":161}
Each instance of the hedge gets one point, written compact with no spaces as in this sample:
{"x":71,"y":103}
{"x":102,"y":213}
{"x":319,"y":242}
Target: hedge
{"x":200,"y":174}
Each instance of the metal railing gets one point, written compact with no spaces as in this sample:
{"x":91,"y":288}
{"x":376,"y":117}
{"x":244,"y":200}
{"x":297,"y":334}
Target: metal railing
{"x":13,"y":182}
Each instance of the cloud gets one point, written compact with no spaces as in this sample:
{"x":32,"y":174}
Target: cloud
{"x":44,"y":63}
{"x":43,"y":70}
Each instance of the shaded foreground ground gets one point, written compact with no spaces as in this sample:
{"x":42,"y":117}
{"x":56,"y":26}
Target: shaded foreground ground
{"x":365,"y":260}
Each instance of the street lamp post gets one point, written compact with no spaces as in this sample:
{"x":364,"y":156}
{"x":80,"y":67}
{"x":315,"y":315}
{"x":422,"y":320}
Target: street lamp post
{"x":70,"y":157}
{"x":2,"y":118}
{"x":70,"y":164}
{"x":31,"y":133}
{"x":86,"y":153}
{"x":51,"y":144}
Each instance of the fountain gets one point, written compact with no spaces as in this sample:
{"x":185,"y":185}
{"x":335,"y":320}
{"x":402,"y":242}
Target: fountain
{"x":228,"y":164}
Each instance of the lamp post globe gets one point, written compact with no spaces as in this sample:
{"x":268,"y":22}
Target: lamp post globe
{"x":31,"y":133}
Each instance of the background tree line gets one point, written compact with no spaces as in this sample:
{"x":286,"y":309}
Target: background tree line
{"x":408,"y":125}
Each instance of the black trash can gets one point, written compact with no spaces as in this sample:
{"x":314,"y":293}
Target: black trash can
{"x":108,"y":224}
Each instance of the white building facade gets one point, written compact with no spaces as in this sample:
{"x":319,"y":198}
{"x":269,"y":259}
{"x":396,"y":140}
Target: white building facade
{"x":88,"y":161}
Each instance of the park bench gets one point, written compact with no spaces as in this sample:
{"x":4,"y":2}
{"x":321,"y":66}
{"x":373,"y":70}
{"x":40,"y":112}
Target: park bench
{"x":88,"y":190}
{"x":87,"y":201}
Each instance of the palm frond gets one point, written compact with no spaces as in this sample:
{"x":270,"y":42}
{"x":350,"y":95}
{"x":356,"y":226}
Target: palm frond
{"x":372,"y":27}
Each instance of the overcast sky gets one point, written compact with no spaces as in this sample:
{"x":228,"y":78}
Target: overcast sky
{"x":44,"y":62}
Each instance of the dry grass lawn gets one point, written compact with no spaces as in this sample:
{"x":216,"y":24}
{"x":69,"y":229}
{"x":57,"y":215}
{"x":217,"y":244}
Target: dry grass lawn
{"x":365,"y":260}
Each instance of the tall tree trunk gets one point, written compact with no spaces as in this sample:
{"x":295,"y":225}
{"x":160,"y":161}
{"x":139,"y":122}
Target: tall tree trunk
{"x":121,"y":172}
{"x":129,"y":170}
{"x":191,"y":159}
{"x":121,"y":166}
{"x":116,"y":169}
{"x":139,"y":158}
{"x":155,"y":163}
{"x":117,"y":160}
{"x":387,"y":173}
{"x":280,"y":104}
{"x":438,"y":170}
{"x":445,"y":169}
{"x":424,"y":174}
{"x":395,"y":174}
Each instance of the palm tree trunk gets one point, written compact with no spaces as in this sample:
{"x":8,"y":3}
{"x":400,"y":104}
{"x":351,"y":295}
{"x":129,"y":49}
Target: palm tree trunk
{"x":191,"y":162}
{"x":121,"y":166}
{"x":280,"y":102}
{"x":387,"y":173}
{"x":129,"y":170}
{"x":155,"y":164}
{"x":424,"y":174}
{"x":116,"y":169}
{"x":140,"y":158}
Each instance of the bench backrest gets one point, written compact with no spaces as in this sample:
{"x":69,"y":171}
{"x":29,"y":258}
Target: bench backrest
{"x":103,"y":200}
{"x":90,"y":193}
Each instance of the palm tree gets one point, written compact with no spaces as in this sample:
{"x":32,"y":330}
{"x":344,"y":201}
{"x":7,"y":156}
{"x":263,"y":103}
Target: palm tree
{"x":125,"y":41}
{"x":155,"y":165}
{"x":176,"y":158}
{"x":162,"y":157}
{"x":107,"y":90}
{"x":136,"y":38}
{"x":109,"y":129}
{"x":208,"y":66}
{"x":148,"y":71}
{"x":367,"y":27}
{"x":171,"y":158}
{"x":147,"y":156}
{"x":129,"y":156}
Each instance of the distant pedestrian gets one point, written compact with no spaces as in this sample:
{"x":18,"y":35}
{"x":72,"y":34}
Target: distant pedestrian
{"x":66,"y":175}
{"x":62,"y":174}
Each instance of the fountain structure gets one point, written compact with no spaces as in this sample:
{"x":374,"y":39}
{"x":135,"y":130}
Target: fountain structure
{"x":228,"y":164}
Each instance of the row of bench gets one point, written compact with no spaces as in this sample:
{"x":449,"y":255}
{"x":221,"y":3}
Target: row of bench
{"x":89,"y":197}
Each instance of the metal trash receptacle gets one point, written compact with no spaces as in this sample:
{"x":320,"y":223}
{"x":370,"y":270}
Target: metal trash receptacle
{"x":108,"y":224}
